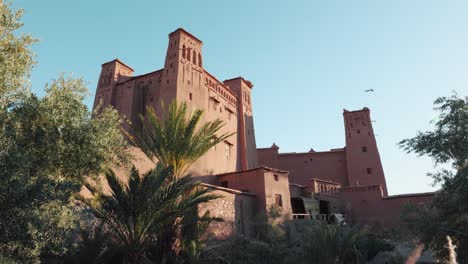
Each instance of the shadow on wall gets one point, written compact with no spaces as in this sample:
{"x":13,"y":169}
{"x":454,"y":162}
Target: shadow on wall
{"x":235,"y":209}
{"x":250,"y":144}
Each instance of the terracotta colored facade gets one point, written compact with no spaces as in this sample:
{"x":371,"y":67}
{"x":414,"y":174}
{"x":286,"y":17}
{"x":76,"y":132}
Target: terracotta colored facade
{"x":348,"y":180}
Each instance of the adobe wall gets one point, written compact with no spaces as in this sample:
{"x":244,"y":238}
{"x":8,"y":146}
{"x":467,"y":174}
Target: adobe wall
{"x":275,"y":185}
{"x":236,"y":211}
{"x":296,"y":190}
{"x":336,"y":203}
{"x":262,"y":183}
{"x":246,"y":133}
{"x":217,"y":102}
{"x":133,"y":96}
{"x":362,"y":155}
{"x":302,"y":167}
{"x":268,"y":157}
{"x":367,"y":206}
{"x":392,"y":205}
{"x":183,"y":79}
{"x":111,"y":73}
{"x":358,"y":164}
{"x":191,"y":83}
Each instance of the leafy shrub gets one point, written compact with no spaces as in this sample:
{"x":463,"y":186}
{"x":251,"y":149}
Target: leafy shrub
{"x":370,"y":246}
{"x":241,"y":250}
{"x":301,"y":242}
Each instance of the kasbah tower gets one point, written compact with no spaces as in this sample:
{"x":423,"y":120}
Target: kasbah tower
{"x":307,"y":185}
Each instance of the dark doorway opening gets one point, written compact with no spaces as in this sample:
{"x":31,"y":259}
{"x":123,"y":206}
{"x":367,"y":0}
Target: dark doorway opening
{"x":298,"y":209}
{"x":324,"y":207}
{"x":297,"y":205}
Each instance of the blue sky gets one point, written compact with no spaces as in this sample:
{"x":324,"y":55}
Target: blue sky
{"x":307,"y":59}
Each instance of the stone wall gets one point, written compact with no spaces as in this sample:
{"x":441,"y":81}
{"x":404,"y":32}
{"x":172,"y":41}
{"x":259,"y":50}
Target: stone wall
{"x":236,"y":210}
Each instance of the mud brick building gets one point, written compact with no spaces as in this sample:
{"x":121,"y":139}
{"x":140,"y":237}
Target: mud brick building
{"x":310,"y":185}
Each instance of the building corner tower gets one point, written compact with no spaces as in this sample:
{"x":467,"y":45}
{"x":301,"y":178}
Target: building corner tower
{"x":245,"y":128}
{"x":364,"y":166}
{"x":112,"y":72}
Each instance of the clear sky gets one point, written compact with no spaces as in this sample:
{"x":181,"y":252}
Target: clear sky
{"x":307,"y":59}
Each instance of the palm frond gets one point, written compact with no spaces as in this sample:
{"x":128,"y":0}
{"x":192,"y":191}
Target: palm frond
{"x":140,"y":208}
{"x":177,"y":138}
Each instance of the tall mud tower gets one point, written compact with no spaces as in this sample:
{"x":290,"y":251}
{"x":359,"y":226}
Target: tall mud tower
{"x":362,"y":156}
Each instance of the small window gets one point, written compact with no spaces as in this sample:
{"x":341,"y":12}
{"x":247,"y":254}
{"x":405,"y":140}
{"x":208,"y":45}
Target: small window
{"x":213,"y":103}
{"x":199,"y":60}
{"x":276,"y":177}
{"x":188,"y":53}
{"x":224,"y":184}
{"x":194,"y":57}
{"x":368,"y":133}
{"x":369,"y":171}
{"x":190,"y":96}
{"x":364,"y":149}
{"x":359,"y":131}
{"x":278,"y":200}
{"x":349,"y":134}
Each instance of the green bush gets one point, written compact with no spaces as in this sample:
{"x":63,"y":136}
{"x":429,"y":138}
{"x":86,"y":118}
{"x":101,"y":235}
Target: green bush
{"x":243,"y":251}
{"x":301,"y":242}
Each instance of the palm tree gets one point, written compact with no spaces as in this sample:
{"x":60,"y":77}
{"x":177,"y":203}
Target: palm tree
{"x":138,"y":211}
{"x":176,"y":139}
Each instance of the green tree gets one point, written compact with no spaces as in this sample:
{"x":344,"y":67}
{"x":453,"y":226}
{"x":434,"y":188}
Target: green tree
{"x":177,"y":138}
{"x":139,"y":210}
{"x":16,"y":57}
{"x":49,"y":145}
{"x":447,"y":143}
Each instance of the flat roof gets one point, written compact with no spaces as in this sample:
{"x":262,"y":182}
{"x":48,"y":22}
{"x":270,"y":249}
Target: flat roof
{"x":229,"y":190}
{"x":312,"y":153}
{"x":221,"y":83}
{"x":186,"y":32}
{"x":261,"y":167}
{"x":249,"y":83}
{"x":410,"y":195}
{"x":327,"y":181}
{"x":355,"y":111}
{"x":132,"y":78}
{"x":119,"y":61}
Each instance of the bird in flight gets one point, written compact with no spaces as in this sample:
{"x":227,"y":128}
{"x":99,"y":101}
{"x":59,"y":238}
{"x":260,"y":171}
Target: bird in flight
{"x":370,"y":90}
